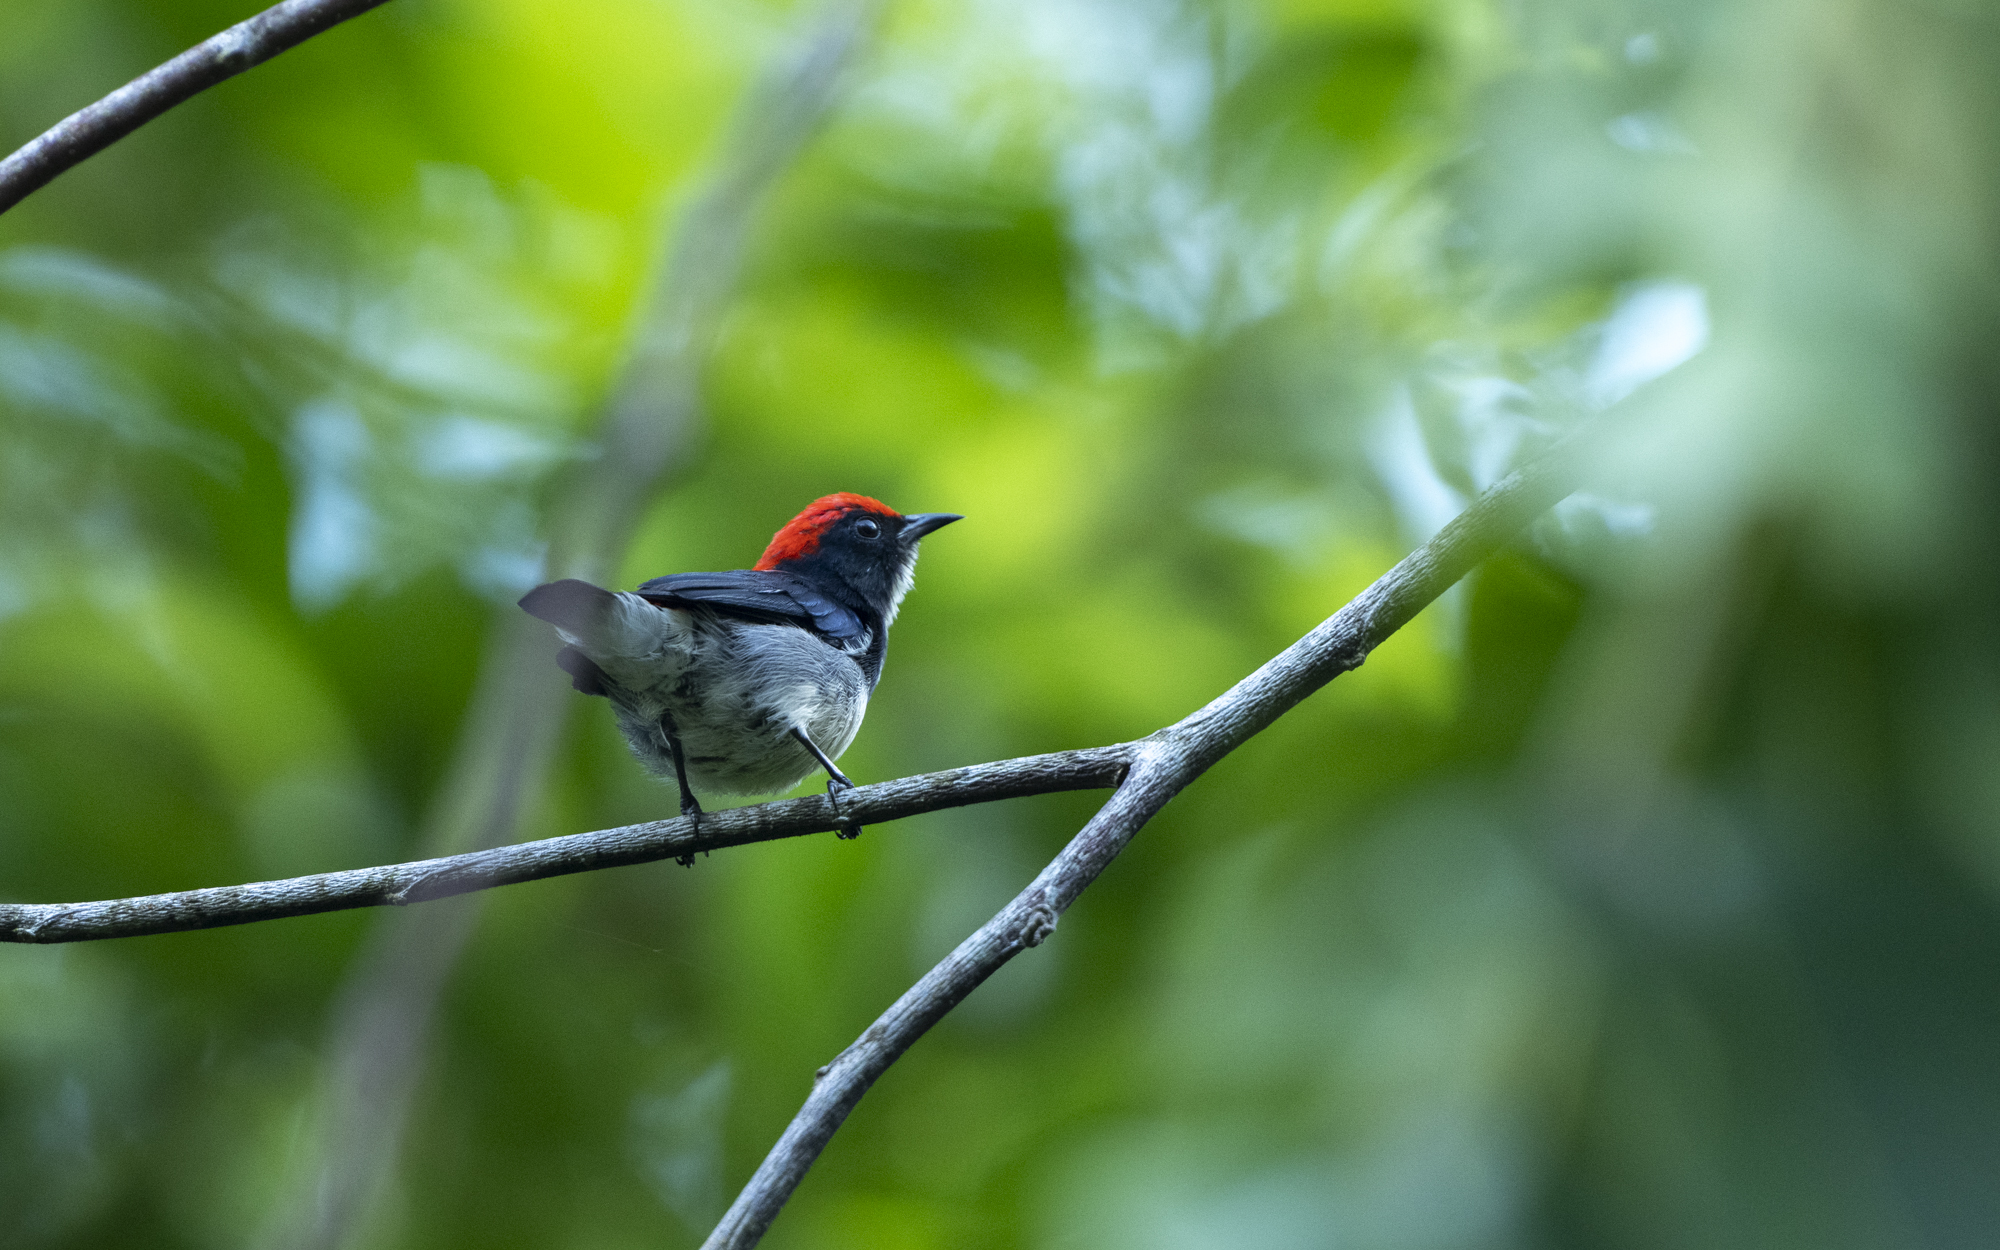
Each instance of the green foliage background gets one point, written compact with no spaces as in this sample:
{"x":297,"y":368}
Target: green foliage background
{"x":1641,"y":894}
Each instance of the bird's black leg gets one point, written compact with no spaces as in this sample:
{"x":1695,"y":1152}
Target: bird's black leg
{"x":689,"y":806}
{"x":836,"y":781}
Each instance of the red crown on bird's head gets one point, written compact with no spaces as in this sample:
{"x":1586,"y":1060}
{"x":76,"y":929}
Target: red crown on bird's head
{"x":803,"y":532}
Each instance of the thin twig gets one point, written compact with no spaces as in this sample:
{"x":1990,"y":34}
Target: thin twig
{"x":1160,"y":767}
{"x":95,"y":127}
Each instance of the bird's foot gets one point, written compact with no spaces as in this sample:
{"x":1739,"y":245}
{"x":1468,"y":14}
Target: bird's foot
{"x":835,"y":787}
{"x":691,"y":808}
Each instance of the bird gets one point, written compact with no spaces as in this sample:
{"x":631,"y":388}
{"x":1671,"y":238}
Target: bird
{"x":747,"y":681}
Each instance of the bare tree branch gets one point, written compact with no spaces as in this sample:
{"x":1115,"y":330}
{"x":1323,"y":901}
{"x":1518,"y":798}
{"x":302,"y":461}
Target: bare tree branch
{"x":426,"y":879}
{"x":90,"y":130}
{"x":1160,"y":766}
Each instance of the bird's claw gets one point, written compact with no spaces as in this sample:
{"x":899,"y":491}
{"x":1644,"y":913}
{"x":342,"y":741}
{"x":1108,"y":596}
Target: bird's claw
{"x":835,"y":787}
{"x":689,"y":808}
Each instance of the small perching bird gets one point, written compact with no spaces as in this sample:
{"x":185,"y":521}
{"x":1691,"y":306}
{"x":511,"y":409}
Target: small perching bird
{"x":745,"y":682}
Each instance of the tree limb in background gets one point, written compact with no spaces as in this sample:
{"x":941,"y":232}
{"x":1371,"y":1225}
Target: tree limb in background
{"x":1160,"y":766}
{"x":382,"y":1018}
{"x":90,"y":130}
{"x":649,"y":416}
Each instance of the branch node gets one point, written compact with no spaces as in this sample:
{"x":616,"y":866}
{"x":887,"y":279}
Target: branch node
{"x":1039,"y":924}
{"x":414,"y":892}
{"x":231,"y":48}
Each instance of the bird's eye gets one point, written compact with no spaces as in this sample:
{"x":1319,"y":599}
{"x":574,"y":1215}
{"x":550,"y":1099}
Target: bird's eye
{"x":867,"y":528}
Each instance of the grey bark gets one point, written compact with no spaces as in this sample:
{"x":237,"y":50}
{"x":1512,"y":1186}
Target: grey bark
{"x":426,"y":879}
{"x":95,"y":127}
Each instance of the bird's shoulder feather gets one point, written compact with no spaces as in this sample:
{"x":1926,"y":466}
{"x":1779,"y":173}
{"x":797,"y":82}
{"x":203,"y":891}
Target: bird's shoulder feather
{"x":763,"y":596}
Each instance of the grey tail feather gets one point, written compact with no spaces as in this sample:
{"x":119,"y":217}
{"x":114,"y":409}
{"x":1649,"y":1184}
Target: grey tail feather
{"x":583,"y":671}
{"x":578,"y":607}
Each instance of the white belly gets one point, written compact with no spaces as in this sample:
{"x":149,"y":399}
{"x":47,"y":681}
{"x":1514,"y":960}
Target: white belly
{"x":733,"y":692}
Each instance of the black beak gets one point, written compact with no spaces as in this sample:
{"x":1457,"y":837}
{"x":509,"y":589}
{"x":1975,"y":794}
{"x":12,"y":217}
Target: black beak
{"x":917,"y":524}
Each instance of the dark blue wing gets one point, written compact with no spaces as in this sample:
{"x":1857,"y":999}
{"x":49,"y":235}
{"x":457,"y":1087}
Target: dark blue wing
{"x":766,"y":597}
